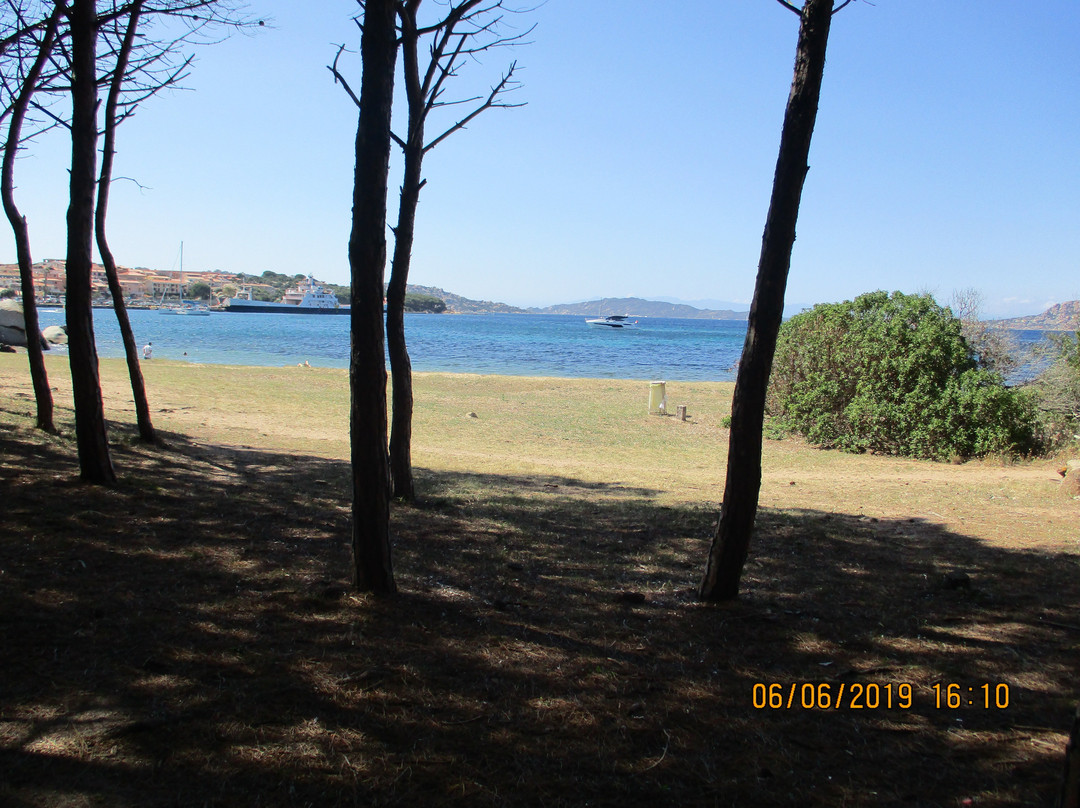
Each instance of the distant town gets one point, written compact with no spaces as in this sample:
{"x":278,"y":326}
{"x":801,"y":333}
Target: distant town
{"x":141,"y":286}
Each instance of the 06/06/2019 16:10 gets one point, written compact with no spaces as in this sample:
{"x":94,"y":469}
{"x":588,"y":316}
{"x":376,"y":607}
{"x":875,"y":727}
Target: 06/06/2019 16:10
{"x":875,"y":696}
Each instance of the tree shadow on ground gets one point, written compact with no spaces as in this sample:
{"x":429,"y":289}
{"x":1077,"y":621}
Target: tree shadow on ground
{"x":190,"y":638}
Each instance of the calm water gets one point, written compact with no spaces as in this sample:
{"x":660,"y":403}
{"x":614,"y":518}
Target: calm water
{"x":504,"y":344}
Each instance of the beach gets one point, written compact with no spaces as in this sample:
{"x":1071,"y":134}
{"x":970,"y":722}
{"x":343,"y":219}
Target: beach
{"x":547,"y":645}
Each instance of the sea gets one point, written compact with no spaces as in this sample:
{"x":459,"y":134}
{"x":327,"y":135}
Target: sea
{"x":502,"y":344}
{"x":552,"y":345}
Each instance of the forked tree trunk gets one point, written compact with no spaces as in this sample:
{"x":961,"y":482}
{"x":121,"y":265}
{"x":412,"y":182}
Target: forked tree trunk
{"x":38,"y":375}
{"x":401,"y":475}
{"x":373,"y":570}
{"x":742,"y":487}
{"x":422,"y":94}
{"x":108,"y":151}
{"x":90,"y":433}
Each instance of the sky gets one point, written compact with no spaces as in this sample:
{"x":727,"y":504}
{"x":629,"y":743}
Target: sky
{"x":946,"y":156}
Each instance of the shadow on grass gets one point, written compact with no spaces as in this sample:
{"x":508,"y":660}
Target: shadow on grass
{"x":190,"y":638}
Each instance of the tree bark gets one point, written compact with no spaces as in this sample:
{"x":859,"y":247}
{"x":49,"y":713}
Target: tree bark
{"x":38,"y":375}
{"x":742,"y":487}
{"x":1070,"y":785}
{"x":400,"y":365}
{"x":90,"y":433}
{"x":373,"y":570}
{"x":108,"y":151}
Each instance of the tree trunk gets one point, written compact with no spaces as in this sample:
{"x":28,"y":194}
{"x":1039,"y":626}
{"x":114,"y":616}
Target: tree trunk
{"x":401,"y":476}
{"x":400,"y":366}
{"x":1070,"y":785}
{"x":373,"y":570}
{"x":90,"y":433}
{"x":38,"y":376}
{"x":742,"y":487}
{"x":108,"y":151}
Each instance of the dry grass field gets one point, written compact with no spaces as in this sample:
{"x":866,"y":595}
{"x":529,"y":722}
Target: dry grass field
{"x":190,"y":637}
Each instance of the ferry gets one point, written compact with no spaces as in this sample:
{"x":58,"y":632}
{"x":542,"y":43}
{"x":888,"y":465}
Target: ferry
{"x":307,"y":298}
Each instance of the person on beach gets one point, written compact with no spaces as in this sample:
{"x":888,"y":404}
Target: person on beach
{"x":148,"y":350}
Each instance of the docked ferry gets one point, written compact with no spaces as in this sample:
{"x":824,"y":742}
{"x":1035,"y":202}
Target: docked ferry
{"x":307,"y":298}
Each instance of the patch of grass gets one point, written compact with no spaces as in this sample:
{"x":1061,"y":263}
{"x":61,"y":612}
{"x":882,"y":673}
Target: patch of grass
{"x":191,"y":638}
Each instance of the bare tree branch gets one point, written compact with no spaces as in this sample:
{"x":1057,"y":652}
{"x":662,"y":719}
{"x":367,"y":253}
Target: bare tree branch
{"x":340,"y":78}
{"x":505,"y":85}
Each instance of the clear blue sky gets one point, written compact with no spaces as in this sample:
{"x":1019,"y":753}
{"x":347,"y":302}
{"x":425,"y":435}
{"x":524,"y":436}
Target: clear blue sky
{"x":946,"y":156}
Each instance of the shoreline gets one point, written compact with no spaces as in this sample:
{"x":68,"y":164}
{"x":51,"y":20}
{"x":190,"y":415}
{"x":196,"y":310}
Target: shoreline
{"x":60,"y":352}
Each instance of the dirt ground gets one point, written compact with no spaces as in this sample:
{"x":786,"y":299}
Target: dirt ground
{"x":190,"y":638}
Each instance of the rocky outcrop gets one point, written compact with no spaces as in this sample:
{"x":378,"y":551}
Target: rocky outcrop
{"x":1060,"y":317}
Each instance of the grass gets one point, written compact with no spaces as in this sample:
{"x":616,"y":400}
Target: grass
{"x":190,"y":638}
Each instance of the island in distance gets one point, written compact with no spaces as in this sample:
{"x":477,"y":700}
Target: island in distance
{"x":592,"y":308}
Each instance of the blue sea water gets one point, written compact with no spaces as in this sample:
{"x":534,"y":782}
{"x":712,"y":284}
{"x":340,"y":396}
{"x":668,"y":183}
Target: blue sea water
{"x":504,"y":344}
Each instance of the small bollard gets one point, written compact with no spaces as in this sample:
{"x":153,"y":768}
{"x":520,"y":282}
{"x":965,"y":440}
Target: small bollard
{"x":658,"y":398}
{"x":680,"y":412}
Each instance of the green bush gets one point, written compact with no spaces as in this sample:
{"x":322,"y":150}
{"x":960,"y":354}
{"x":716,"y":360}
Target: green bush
{"x":893,"y":374}
{"x":199,"y":291}
{"x":1057,"y":389}
{"x":428,"y":303}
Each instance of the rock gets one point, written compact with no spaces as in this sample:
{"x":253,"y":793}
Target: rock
{"x":1071,"y":484}
{"x":12,"y":323}
{"x":55,"y":334}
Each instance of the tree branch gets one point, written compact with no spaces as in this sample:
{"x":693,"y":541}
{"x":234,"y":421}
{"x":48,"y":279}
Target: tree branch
{"x":499,"y":88}
{"x":340,"y":78}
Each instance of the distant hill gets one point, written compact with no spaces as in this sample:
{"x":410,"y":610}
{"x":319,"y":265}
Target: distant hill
{"x":1062,"y":317}
{"x":641,"y":308}
{"x":457,"y":304}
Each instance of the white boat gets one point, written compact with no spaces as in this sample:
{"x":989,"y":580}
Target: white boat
{"x":613,"y":321}
{"x":187,"y":308}
{"x":307,"y":298}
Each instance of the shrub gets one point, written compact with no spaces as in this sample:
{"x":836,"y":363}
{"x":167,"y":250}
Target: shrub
{"x":893,"y":374}
{"x":428,"y":303}
{"x":199,"y":291}
{"x":1057,"y":389}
